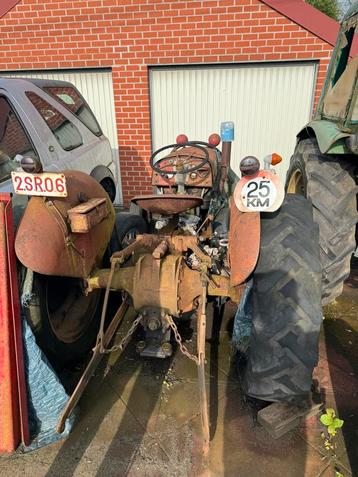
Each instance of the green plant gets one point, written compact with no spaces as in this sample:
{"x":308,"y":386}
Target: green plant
{"x":331,"y":422}
{"x":329,"y":7}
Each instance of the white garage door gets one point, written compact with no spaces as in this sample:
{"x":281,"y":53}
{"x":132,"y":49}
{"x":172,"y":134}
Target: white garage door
{"x":97,"y":88}
{"x":269,"y":104}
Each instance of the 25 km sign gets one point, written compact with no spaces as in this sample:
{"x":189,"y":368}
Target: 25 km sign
{"x":48,"y":184}
{"x":261,"y":192}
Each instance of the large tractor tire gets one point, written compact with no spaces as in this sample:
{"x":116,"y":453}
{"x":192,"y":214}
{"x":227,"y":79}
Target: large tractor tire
{"x":329,"y":183}
{"x":63,"y":319}
{"x":285,"y":303}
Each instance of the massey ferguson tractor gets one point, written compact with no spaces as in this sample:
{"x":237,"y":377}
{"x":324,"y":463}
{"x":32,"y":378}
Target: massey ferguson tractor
{"x":324,"y":166}
{"x":203,"y":235}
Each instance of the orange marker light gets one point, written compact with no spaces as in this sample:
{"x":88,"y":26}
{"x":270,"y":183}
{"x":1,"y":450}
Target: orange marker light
{"x":275,"y":159}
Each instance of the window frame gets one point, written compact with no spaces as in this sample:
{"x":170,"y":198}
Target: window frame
{"x":27,"y":92}
{"x":28,"y":137}
{"x":62,"y":103}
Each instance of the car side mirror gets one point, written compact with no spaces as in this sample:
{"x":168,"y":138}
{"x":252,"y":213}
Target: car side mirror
{"x":31,"y":165}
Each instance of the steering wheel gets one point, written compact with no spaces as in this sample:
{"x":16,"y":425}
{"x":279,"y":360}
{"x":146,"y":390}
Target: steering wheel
{"x":180,"y":158}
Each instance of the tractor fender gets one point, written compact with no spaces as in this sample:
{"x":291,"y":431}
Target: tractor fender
{"x":330,"y":139}
{"x":46,"y":241}
{"x":244,"y":243}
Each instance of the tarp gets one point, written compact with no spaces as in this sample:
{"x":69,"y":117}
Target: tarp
{"x":46,"y":395}
{"x":243,"y":321}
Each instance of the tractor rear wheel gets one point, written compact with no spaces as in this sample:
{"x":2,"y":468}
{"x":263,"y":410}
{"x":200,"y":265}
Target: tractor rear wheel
{"x":63,"y":319}
{"x":286,"y":305}
{"x":127,"y":227}
{"x":329,"y":183}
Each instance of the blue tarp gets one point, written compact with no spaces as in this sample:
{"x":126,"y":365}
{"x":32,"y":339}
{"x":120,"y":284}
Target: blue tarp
{"x":243,"y":321}
{"x":45,"y":394}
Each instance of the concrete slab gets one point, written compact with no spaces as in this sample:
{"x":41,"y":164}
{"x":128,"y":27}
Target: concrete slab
{"x":142,"y":419}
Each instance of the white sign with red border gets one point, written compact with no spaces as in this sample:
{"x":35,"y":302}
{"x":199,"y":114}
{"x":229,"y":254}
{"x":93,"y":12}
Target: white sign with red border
{"x":259,"y":192}
{"x":47,"y":184}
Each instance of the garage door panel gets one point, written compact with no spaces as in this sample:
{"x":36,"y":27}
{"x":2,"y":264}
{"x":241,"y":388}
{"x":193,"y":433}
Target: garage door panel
{"x":268,"y":103}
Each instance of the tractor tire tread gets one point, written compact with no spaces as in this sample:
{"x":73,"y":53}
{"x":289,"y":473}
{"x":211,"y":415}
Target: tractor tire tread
{"x":286,"y":307}
{"x":331,"y":187}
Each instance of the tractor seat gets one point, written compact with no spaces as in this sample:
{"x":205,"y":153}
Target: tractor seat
{"x":167,"y":204}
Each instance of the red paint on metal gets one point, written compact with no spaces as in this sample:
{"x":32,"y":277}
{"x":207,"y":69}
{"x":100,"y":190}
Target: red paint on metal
{"x":17,"y":328}
{"x":307,"y":17}
{"x":13,"y":415}
{"x":244,"y":243}
{"x":7,"y":5}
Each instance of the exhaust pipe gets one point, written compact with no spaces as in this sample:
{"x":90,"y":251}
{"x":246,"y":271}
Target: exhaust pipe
{"x":227,"y":136}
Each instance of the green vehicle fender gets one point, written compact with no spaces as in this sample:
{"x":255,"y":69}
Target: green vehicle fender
{"x":330,"y":139}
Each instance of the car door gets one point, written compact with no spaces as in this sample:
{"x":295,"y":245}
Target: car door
{"x":15,"y":143}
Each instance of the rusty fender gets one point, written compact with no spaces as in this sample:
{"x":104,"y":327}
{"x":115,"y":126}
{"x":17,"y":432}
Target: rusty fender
{"x":244,"y":243}
{"x":66,"y":236}
{"x":166,"y":283}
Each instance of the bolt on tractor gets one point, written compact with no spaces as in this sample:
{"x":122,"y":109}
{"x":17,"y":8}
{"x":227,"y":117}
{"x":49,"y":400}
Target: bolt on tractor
{"x":204,"y":235}
{"x":324,"y":166}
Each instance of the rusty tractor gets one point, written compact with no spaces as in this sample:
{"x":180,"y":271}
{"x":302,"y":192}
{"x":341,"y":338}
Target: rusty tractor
{"x":204,"y":235}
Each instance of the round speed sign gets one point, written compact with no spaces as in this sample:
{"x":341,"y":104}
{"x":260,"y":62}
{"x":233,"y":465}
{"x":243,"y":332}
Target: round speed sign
{"x":261,"y":192}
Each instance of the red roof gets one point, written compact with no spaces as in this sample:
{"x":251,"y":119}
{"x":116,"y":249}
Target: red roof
{"x":307,"y":17}
{"x":7,"y":5}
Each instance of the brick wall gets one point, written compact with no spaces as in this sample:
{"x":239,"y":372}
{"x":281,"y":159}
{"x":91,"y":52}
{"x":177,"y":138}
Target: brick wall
{"x":129,"y":35}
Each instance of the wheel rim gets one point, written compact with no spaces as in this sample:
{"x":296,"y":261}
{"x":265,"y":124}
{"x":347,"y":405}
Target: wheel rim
{"x":70,"y":311}
{"x":296,"y":184}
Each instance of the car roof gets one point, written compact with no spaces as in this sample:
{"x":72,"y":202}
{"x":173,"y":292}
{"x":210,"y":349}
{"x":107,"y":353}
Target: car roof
{"x":9,"y":83}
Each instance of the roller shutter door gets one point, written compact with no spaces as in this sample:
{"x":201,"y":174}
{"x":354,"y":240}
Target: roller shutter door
{"x":269,"y":104}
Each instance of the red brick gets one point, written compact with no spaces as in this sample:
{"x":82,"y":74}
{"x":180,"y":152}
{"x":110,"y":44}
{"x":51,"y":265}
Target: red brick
{"x":130,"y":35}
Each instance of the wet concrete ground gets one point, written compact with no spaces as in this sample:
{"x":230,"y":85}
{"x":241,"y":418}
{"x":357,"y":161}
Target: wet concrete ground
{"x":142,"y":419}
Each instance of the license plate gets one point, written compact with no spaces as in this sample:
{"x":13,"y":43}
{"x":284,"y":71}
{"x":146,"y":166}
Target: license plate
{"x":48,"y":184}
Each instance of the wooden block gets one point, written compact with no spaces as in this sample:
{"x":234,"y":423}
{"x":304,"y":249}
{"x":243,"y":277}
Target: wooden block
{"x":280,"y":418}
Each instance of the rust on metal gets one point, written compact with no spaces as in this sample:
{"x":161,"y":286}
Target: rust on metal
{"x":201,"y":373}
{"x":92,"y":365}
{"x":201,"y":178}
{"x":219,"y":285}
{"x":189,"y":289}
{"x":187,"y":285}
{"x":44,"y":240}
{"x":167,"y":283}
{"x":225,"y":163}
{"x":85,"y":216}
{"x":167,"y":204}
{"x":160,"y":250}
{"x":244,"y":243}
